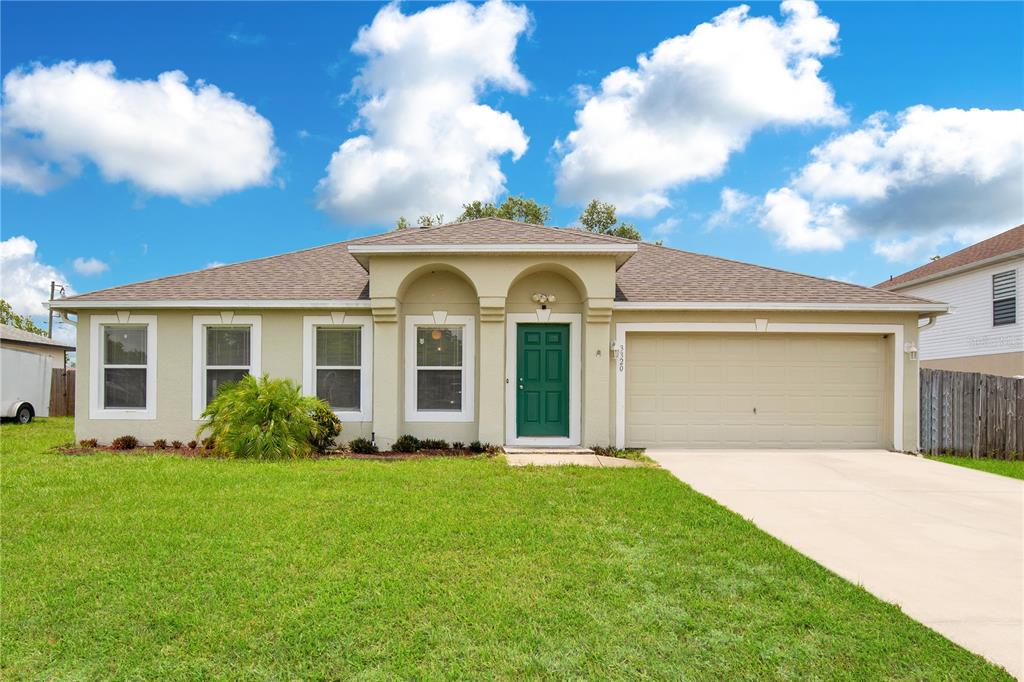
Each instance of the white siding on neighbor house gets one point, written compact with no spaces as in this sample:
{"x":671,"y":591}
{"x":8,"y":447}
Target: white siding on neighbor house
{"x":968,"y":329}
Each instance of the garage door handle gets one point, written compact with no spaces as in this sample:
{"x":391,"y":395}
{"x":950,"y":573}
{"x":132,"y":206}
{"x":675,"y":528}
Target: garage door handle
{"x":755,"y":410}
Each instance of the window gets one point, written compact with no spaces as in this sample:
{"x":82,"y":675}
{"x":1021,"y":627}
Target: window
{"x":122,"y":374}
{"x":439,"y":368}
{"x":228,"y":357}
{"x":1004,"y":298}
{"x":337,"y":363}
{"x":124,"y":367}
{"x":225,"y":348}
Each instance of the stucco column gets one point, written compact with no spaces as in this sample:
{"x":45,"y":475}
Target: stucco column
{"x":491,"y":402}
{"x":386,"y":368}
{"x":597,"y":372}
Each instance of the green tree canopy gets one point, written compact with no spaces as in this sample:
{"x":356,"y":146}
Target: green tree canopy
{"x":516,"y":208}
{"x":599,"y":217}
{"x":8,"y":316}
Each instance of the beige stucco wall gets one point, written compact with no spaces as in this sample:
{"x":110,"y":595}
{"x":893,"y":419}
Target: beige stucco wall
{"x":487,"y":288}
{"x":1001,"y":364}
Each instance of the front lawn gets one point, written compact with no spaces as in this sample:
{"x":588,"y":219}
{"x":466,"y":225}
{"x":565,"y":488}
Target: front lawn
{"x":1004,"y":467}
{"x":163,"y":567}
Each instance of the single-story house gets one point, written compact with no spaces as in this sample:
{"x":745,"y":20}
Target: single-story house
{"x":984,"y":331}
{"x":513,"y":334}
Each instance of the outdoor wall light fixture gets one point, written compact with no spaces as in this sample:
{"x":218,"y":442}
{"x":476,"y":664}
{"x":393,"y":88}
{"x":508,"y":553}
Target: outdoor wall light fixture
{"x":543,"y":299}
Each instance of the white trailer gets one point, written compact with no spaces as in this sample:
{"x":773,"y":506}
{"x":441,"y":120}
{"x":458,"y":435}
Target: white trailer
{"x":24,"y":384}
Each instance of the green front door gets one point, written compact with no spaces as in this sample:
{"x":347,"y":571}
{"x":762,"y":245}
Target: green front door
{"x":542,"y":361}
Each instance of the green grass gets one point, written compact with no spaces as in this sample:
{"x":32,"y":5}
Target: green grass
{"x":1004,"y":467}
{"x":162,"y":567}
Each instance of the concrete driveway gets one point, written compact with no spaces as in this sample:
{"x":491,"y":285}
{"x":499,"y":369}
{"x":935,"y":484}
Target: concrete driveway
{"x":941,"y":541}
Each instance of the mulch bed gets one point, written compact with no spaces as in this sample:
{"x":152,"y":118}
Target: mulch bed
{"x":203,"y":453}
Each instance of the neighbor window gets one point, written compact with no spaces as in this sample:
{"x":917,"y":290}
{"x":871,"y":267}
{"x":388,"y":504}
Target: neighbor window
{"x":1004,"y":298}
{"x":225,"y":348}
{"x":439,"y":368}
{"x":339,"y":367}
{"x":124,"y":367}
{"x":228,"y":357}
{"x":122,"y":373}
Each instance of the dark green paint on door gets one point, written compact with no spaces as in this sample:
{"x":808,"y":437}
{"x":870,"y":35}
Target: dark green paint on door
{"x":542,"y":360}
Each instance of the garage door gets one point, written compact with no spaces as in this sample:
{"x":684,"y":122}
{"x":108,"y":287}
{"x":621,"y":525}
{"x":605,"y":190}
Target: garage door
{"x":755,"y":390}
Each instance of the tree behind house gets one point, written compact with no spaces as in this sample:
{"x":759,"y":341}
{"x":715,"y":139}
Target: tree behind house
{"x":599,"y":217}
{"x":23,"y":322}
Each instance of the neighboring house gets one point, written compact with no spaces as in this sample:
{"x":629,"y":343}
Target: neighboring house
{"x":25,"y":372}
{"x":984,"y":331}
{"x":512,"y":334}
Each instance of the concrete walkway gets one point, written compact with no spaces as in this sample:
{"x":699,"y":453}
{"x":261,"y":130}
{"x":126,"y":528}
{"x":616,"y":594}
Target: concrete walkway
{"x":941,"y":541}
{"x":556,"y":459}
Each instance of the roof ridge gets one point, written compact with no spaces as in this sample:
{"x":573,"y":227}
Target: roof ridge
{"x":512,"y":223}
{"x":860,"y":287}
{"x":218,"y":267}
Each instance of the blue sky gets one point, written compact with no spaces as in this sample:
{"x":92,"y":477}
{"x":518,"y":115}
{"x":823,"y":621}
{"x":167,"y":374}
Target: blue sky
{"x":292,"y":67}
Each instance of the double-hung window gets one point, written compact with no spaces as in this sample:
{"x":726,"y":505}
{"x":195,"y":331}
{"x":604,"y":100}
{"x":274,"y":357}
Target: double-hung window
{"x":225,"y":348}
{"x":337,"y":363}
{"x":439,"y":368}
{"x":1004,"y":298}
{"x":123,"y":367}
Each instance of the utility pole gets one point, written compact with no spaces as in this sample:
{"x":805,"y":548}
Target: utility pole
{"x":49,"y":326}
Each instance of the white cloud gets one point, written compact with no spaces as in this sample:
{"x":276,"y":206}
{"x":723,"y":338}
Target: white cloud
{"x":213,"y":264}
{"x":429,"y":146}
{"x":799,"y":225}
{"x":24,"y":281}
{"x":666,"y":227}
{"x":913,"y":181}
{"x":164,"y":136}
{"x":733,"y":204}
{"x":89,"y":266}
{"x":694,"y":101}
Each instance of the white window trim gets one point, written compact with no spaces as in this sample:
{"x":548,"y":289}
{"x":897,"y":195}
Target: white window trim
{"x":759,"y":326}
{"x":575,"y":322}
{"x":468,"y":324}
{"x":310,"y":323}
{"x":96,"y":409}
{"x":199,"y":325}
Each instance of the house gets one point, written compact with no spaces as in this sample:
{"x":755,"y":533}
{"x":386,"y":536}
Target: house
{"x":26,"y":364}
{"x":512,"y":334}
{"x":984,"y":331}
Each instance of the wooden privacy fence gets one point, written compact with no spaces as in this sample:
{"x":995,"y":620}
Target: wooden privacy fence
{"x":965,"y":413}
{"x":62,"y":393}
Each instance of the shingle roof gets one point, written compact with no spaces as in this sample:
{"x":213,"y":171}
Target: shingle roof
{"x":657,"y":273}
{"x":653,"y":274}
{"x":1005,"y":242}
{"x":9,"y":333}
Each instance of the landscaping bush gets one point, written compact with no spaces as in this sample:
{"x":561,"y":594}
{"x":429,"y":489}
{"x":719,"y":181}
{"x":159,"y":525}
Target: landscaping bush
{"x":192,"y":445}
{"x":362,"y":446}
{"x":434,"y":444}
{"x":327,"y":427}
{"x":125,"y":443}
{"x":406,"y":443}
{"x":160,"y":444}
{"x":458,"y":445}
{"x":477,"y":447}
{"x":176,"y":444}
{"x":89,"y":443}
{"x":261,"y":418}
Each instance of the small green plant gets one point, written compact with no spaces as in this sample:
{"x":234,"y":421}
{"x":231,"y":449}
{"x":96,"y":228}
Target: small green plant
{"x":406,"y":443}
{"x":260,"y":418}
{"x":458,"y":445}
{"x":160,"y":444}
{"x":326,"y":428}
{"x":362,"y":446}
{"x":176,"y":444}
{"x":89,"y":443}
{"x":125,"y":443}
{"x":477,"y":447}
{"x":434,"y":444}
{"x":491,"y":448}
{"x":192,"y":444}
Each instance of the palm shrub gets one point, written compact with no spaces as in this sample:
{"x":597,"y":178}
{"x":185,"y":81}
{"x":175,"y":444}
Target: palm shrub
{"x":260,"y":418}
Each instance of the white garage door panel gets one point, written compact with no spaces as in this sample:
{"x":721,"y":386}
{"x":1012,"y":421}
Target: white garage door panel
{"x":701,"y":390}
